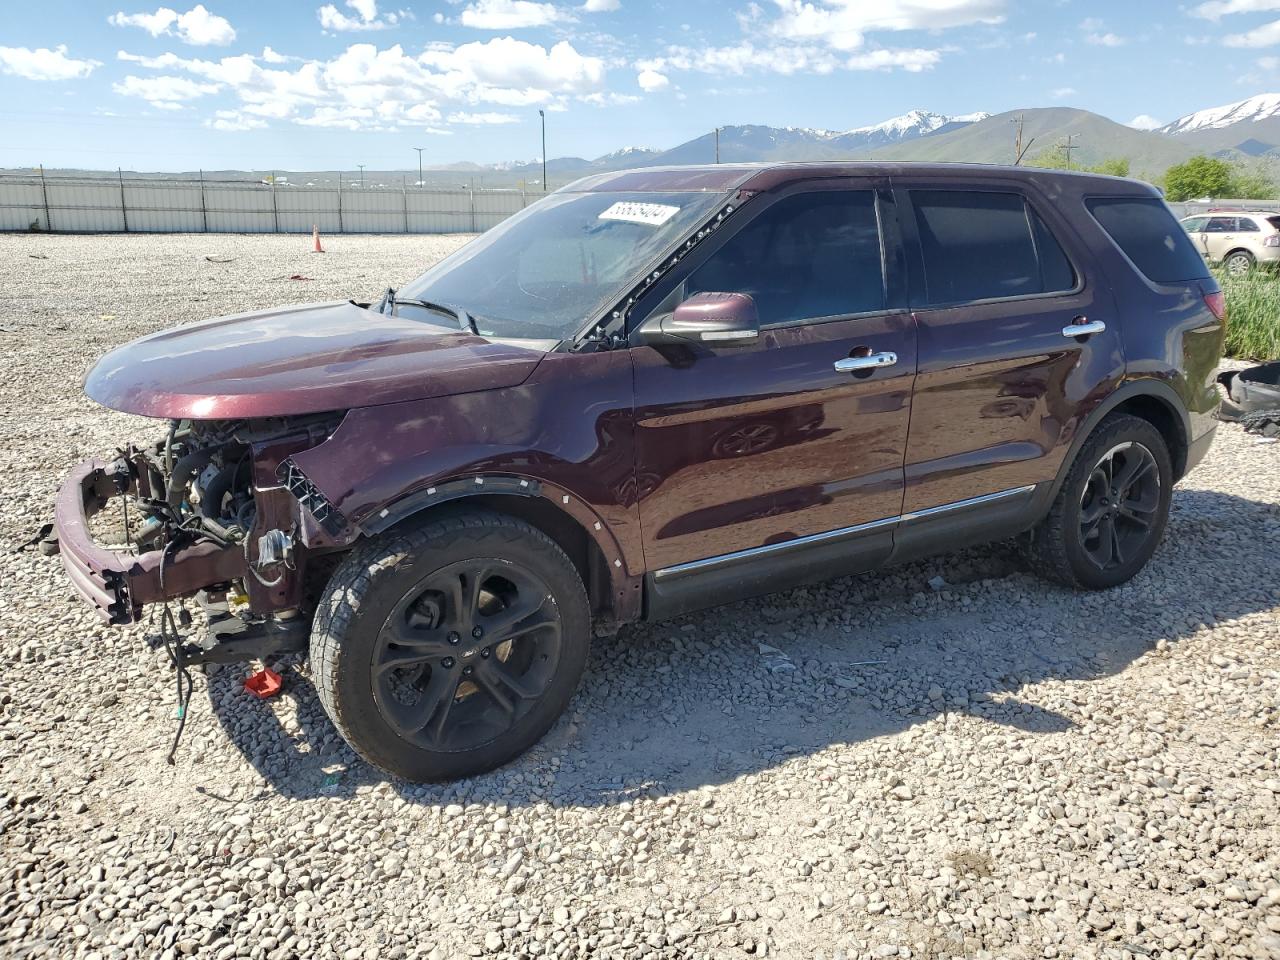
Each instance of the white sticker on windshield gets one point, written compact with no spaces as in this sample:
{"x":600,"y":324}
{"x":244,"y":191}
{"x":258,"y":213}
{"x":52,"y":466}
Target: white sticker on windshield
{"x":654,"y":214}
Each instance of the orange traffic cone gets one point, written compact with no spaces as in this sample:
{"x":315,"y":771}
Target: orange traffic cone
{"x":315,"y":235}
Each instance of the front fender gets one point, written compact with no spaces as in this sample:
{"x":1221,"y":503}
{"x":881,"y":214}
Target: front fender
{"x":566,"y":434}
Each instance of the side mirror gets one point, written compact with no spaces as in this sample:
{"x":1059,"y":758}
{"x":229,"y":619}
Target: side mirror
{"x":715,"y":319}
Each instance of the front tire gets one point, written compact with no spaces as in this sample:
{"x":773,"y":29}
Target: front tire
{"x":447,"y":649}
{"x":1110,"y":514}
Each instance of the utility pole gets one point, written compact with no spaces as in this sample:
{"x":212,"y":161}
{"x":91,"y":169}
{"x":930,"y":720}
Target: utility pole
{"x":419,"y":149}
{"x":542,"y":114}
{"x":1069,"y":146}
{"x":1019,"y":151}
{"x":361,"y":166}
{"x":717,"y":144}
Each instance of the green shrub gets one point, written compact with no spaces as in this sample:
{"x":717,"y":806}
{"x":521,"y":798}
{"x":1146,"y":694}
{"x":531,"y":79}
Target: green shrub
{"x":1211,"y":177}
{"x":1253,"y":315}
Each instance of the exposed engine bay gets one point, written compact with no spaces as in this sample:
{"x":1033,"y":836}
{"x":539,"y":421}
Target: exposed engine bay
{"x":202,"y":514}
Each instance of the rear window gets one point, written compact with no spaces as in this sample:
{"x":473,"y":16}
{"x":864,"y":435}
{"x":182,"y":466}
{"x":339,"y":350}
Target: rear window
{"x":984,"y":246}
{"x":1144,"y":228}
{"x":1274,"y":221}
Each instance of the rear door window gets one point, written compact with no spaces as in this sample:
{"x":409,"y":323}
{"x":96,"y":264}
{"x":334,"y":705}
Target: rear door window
{"x":808,"y":256}
{"x":1246,"y":225}
{"x":1145,"y":229}
{"x":978,"y":245}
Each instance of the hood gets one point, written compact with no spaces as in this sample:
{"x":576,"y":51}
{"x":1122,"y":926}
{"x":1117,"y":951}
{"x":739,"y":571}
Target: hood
{"x":295,"y":360}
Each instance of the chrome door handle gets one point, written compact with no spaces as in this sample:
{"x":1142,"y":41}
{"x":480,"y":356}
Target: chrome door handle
{"x":1083,"y":329}
{"x":873,"y":361}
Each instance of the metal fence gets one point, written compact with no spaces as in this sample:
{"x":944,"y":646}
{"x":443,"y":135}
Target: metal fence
{"x":1189,"y":208}
{"x":126,"y":205}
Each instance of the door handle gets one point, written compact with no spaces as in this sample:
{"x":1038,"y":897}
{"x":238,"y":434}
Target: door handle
{"x":1083,"y":328}
{"x":873,"y":361}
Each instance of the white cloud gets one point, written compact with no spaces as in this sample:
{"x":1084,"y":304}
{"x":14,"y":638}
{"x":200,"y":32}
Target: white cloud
{"x":1096,"y":33}
{"x":912,"y":61}
{"x":1061,"y":93}
{"x":1216,"y":9}
{"x":165,"y":92}
{"x":843,"y":24}
{"x":743,"y":57}
{"x":480,"y":119}
{"x":44,"y":64}
{"x":1144,"y":121}
{"x":786,"y":59}
{"x":233,"y":120}
{"x":510,"y":14}
{"x":651,"y":80}
{"x":197,"y":27}
{"x":367,"y":88}
{"x":366,"y":18}
{"x":601,"y":6}
{"x":1267,"y":35}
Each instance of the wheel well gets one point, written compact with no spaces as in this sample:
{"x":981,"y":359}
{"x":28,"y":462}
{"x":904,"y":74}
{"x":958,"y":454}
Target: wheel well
{"x":567,"y":533}
{"x":1239,"y":250}
{"x":1157,"y":413}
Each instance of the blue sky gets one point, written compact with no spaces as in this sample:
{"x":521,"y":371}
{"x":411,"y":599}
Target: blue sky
{"x":309,"y":85}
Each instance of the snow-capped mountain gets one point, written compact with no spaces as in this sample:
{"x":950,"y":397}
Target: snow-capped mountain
{"x":626,"y":157}
{"x":756,"y":142}
{"x":1264,"y":106}
{"x":909,"y":126}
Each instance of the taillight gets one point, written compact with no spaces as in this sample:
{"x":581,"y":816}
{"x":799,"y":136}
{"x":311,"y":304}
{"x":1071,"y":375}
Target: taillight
{"x":1217,"y":304}
{"x":1272,"y":241}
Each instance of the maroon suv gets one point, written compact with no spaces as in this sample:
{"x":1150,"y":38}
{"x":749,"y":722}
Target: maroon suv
{"x":650,"y":392}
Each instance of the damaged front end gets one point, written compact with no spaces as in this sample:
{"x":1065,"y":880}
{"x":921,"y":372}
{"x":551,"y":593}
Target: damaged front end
{"x":206,"y":513}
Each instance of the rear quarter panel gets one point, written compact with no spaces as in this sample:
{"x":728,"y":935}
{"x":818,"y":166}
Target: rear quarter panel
{"x":1169,"y":334}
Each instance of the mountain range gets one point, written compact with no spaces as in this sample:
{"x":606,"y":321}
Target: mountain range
{"x":1245,"y":130}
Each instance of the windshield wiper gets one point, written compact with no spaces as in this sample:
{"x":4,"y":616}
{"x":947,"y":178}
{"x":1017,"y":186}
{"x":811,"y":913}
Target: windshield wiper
{"x":465,"y":321}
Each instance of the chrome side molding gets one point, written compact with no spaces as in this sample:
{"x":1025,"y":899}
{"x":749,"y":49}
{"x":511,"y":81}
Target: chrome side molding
{"x":799,"y":543}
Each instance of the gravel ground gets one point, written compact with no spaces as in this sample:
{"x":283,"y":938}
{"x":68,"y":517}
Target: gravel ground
{"x":986,"y":767}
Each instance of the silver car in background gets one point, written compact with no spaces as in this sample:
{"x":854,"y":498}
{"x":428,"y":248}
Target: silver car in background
{"x":1239,"y":240}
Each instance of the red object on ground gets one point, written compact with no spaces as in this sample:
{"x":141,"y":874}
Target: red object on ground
{"x":315,"y":235}
{"x":263,"y":684}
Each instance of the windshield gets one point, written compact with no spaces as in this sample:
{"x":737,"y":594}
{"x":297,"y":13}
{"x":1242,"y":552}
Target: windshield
{"x":544,"y":272}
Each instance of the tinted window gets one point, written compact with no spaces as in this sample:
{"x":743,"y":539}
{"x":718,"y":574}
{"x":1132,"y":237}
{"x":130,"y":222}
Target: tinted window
{"x":980,"y":246}
{"x":1246,"y":225}
{"x":1221,"y":225}
{"x":810,"y":255}
{"x":1194,"y":224}
{"x":1144,"y":228}
{"x":1274,"y":221}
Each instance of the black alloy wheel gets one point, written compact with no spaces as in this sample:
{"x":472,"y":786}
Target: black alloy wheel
{"x":450,"y":646}
{"x":1110,"y":510}
{"x":1119,"y":505}
{"x":465,"y":653}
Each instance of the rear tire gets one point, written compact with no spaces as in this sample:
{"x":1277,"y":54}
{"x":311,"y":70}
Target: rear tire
{"x":1239,"y":263}
{"x":1110,"y":514}
{"x":446,"y":649}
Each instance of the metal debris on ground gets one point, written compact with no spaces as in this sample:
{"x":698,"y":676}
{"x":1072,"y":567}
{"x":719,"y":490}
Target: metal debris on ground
{"x":775,"y":661}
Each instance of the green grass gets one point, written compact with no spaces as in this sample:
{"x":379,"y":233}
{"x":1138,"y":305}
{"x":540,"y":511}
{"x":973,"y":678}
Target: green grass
{"x":1253,"y":315}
